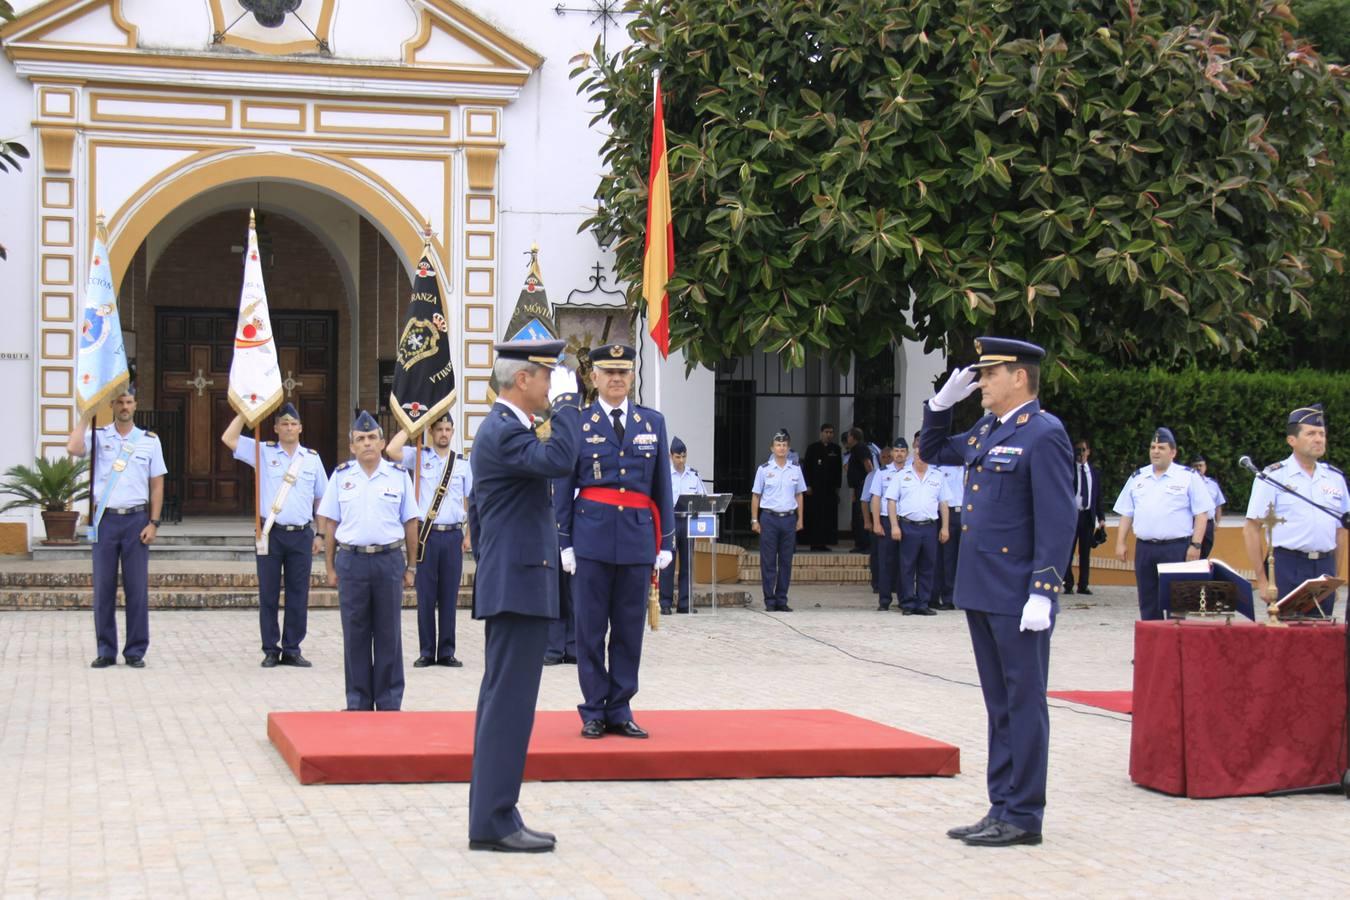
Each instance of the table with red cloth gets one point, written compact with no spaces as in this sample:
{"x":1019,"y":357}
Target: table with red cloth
{"x":1239,"y":709}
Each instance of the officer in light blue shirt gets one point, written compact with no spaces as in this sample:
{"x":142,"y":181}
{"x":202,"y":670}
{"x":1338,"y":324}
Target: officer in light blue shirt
{"x":946,"y":570}
{"x":889,"y":577}
{"x":1306,"y":542}
{"x":683,"y":480}
{"x":776,"y":516}
{"x":1167,"y":505}
{"x":918,"y":499}
{"x":865,"y":494}
{"x":291,"y":541}
{"x":1201,"y":467}
{"x":447,"y":538}
{"x":368,"y":515}
{"x":129,"y":491}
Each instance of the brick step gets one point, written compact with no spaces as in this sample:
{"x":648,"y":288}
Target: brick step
{"x":173,"y":581}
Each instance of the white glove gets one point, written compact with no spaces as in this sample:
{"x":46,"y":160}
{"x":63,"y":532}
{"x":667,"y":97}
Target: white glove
{"x":569,"y":561}
{"x":663,"y":559}
{"x":1036,"y":614}
{"x":562,"y":381}
{"x":961,"y":384}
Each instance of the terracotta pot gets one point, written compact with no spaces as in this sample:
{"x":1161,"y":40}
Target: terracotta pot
{"x":60,"y":526}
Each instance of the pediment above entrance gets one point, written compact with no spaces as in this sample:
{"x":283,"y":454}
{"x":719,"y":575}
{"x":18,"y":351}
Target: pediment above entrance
{"x":407,"y":47}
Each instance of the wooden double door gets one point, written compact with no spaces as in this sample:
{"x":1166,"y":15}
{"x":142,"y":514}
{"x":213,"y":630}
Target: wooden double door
{"x":193,"y":352}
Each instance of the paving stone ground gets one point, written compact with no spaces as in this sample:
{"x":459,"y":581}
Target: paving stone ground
{"x":161,"y":782}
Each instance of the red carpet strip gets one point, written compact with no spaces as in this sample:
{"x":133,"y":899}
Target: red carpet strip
{"x":379,"y":747}
{"x":1116,"y":701}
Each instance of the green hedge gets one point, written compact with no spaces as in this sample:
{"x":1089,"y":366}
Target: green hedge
{"x":1222,"y":415}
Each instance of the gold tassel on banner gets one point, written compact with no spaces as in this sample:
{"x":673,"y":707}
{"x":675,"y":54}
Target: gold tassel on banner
{"x":654,"y":606}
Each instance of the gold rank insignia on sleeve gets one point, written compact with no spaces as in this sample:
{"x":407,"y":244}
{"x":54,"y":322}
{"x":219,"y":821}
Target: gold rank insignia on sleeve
{"x":595,"y":417}
{"x":972,"y":439}
{"x":1023,"y":418}
{"x":636,"y":417}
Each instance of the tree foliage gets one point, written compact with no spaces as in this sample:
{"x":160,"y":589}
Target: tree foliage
{"x":1133,"y":181}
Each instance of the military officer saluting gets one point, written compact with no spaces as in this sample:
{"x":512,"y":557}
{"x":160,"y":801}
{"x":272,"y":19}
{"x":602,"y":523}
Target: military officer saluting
{"x":447,"y":537}
{"x":292,"y":482}
{"x":128,"y":495}
{"x":918,"y":499}
{"x":683,"y":480}
{"x":776,"y":515}
{"x":1167,"y":505}
{"x":368,"y":516}
{"x":1308,"y":540}
{"x":620,"y":529}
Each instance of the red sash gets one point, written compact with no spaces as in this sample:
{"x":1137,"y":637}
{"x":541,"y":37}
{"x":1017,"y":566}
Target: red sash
{"x":622,"y":498}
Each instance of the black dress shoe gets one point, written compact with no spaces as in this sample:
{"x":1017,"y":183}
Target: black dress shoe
{"x":685,"y":612}
{"x":883,"y":609}
{"x":593,"y":730}
{"x":270,"y":660}
{"x":924,"y":611}
{"x":1084,"y":590}
{"x":785,"y":608}
{"x":422,"y":662}
{"x":295,"y":659}
{"x":522,"y":841}
{"x":135,"y":662}
{"x":449,"y":662}
{"x":570,"y":660}
{"x":906,"y":611}
{"x":553,"y":660}
{"x":546,"y":835}
{"x":626,"y":729}
{"x":947,"y":605}
{"x":962,"y":830}
{"x":1002,"y":834}
{"x":102,"y":662}
{"x":665,"y":610}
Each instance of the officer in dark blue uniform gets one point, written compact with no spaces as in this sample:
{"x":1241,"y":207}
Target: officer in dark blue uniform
{"x":442,"y":565}
{"x":562,"y":631}
{"x":128,"y":495}
{"x":293,"y":481}
{"x":683,"y":480}
{"x":368,"y":516}
{"x":516,"y":585}
{"x":1167,"y":506}
{"x":1018,"y":525}
{"x":620,"y":530}
{"x":1307,"y":539}
{"x":776,"y":515}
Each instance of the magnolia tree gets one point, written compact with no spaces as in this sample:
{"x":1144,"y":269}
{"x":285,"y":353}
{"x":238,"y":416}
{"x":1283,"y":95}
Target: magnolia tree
{"x":1126,"y":180}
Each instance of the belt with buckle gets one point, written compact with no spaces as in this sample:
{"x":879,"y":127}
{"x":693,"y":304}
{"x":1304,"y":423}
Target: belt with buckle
{"x":774,"y":512}
{"x":458,"y":526}
{"x":126,"y":510}
{"x":371,"y":548}
{"x":292,"y":527}
{"x":917,"y":521}
{"x":1307,"y":554}
{"x":1165,"y":540}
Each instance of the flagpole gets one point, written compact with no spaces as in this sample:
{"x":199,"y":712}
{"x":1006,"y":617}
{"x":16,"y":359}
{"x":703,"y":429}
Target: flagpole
{"x":257,"y":487}
{"x":417,"y":468}
{"x":656,"y":93}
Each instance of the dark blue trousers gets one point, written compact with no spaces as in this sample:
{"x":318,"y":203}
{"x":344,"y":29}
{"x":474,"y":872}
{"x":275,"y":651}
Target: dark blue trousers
{"x":1014,"y":668}
{"x":513,"y":658}
{"x":947,"y":558}
{"x":437,"y":583}
{"x":777,"y":546}
{"x":918,"y":563}
{"x":119,"y":541}
{"x":1207,"y":542}
{"x":289,"y":553}
{"x":1293,"y":568}
{"x":1146,"y":559}
{"x":370,"y":599}
{"x":874,"y":566}
{"x":562,"y":631}
{"x":609,"y":597}
{"x":667,"y":579}
{"x":888,"y":565}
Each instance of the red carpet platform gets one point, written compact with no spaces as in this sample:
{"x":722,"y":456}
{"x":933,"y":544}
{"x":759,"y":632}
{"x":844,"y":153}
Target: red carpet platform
{"x":1116,"y":701}
{"x":378,"y":747}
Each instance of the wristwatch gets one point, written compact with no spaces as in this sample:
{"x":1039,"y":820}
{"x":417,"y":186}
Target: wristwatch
{"x":154,"y":522}
{"x":1196,"y":544}
{"x":412,"y":569}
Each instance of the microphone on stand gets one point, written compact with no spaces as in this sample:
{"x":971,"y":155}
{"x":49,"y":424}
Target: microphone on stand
{"x":1246,"y":463}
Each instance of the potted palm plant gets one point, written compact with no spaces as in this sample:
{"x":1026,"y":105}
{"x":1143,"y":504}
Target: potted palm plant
{"x":53,"y":486}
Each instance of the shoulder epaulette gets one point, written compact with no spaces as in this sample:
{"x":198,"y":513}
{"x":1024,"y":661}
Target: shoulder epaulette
{"x":1182,"y":468}
{"x":312,"y":451}
{"x":271,"y":443}
{"x":152,"y":434}
{"x":765,"y":465}
{"x":692,"y":469}
{"x":1334,"y":469}
{"x":1144,"y":470}
{"x":398,"y":466}
{"x":343,"y":466}
{"x":1275,"y":466}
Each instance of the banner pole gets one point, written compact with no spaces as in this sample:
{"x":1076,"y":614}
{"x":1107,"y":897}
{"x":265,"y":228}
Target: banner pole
{"x":417,"y":468}
{"x":257,"y":486}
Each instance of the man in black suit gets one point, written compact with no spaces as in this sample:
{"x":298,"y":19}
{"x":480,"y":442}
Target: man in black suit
{"x":516,"y":585}
{"x":1087,"y":486}
{"x":824,"y":469}
{"x":858,"y":465}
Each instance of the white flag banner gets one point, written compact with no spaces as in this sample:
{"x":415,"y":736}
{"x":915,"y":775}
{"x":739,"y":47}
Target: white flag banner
{"x":255,"y":375}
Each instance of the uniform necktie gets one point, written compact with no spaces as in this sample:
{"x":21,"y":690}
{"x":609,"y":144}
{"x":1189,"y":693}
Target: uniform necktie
{"x":617,"y":415}
{"x":1084,"y":486}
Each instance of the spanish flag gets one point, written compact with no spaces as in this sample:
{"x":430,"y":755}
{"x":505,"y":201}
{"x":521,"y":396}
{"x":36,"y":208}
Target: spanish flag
{"x":659,"y":258}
